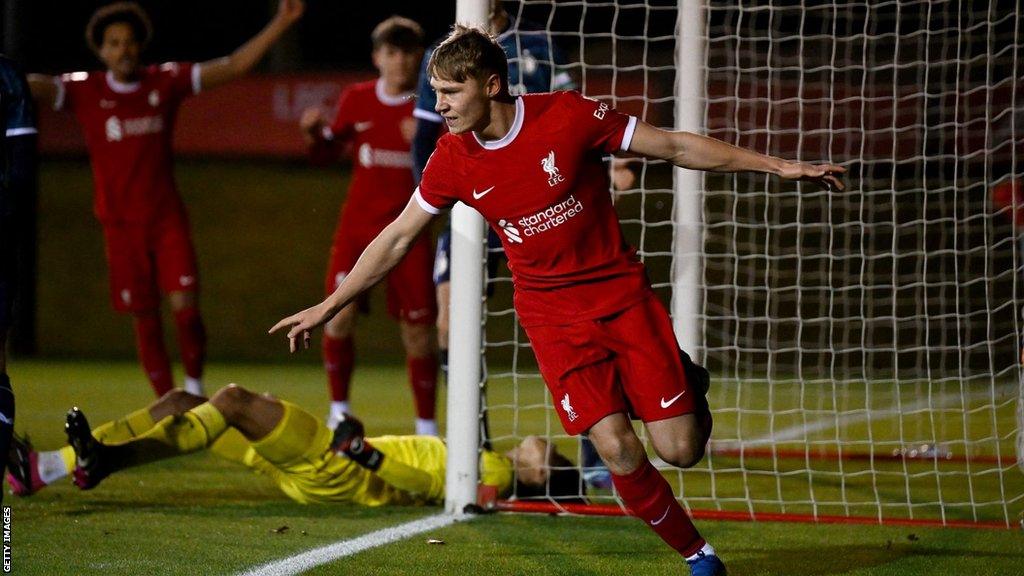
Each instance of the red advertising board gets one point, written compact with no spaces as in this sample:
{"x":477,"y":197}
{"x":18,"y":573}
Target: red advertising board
{"x":254,"y":116}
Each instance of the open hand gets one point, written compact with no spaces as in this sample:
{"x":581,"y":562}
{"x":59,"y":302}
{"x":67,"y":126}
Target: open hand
{"x":824,"y":175}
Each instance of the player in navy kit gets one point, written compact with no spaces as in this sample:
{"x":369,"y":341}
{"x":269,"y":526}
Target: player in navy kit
{"x":17,"y":172}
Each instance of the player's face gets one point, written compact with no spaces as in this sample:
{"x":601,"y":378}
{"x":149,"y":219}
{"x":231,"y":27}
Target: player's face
{"x":397,"y":67}
{"x":120,"y":50}
{"x":531,"y":461}
{"x":463,"y":105}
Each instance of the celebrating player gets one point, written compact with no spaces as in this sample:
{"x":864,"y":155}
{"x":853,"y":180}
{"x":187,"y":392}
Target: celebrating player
{"x":376,"y":118}
{"x":531,"y":165}
{"x":16,"y":182}
{"x":307,"y":460}
{"x":127,"y":114}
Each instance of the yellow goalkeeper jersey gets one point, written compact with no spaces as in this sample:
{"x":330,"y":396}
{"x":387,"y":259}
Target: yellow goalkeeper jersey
{"x":297,"y":455}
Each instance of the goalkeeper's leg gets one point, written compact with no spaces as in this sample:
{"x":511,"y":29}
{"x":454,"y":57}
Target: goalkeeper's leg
{"x":254,"y":415}
{"x":33,"y":470}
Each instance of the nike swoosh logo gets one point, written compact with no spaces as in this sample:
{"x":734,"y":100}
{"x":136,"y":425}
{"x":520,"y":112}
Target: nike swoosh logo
{"x":667,"y":403}
{"x":665,"y":515}
{"x":6,"y":420}
{"x":479,"y":195}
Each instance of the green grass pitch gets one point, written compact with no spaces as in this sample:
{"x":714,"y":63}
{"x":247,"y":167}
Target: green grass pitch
{"x":199,"y":515}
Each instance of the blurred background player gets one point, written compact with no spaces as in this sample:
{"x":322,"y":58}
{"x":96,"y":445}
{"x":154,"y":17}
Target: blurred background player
{"x":375,"y":117}
{"x":307,"y":460}
{"x":127,"y":114}
{"x":17,"y":175}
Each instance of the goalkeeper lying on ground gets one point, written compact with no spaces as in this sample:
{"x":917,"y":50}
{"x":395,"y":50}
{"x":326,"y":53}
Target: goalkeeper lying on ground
{"x":307,"y":460}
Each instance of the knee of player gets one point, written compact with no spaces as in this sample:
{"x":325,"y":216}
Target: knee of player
{"x":622,"y":453}
{"x":682,"y":453}
{"x":417,"y":341}
{"x":182,"y":299}
{"x":231,"y":400}
{"x":178,"y":401}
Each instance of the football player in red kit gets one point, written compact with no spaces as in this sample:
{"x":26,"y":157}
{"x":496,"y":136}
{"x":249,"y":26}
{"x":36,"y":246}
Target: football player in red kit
{"x":532,"y":166}
{"x":127,"y":113}
{"x":375,"y":118}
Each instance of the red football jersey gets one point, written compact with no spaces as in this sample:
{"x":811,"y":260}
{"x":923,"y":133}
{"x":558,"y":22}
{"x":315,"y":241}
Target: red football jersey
{"x":380,"y":128}
{"x":544,"y":190}
{"x":128,"y":129}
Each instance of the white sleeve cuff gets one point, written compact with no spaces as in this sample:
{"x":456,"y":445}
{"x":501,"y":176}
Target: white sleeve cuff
{"x":424,"y":204}
{"x":627,"y":135}
{"x":21,"y":131}
{"x":58,"y":100}
{"x":197,"y":78}
{"x":427,"y":115}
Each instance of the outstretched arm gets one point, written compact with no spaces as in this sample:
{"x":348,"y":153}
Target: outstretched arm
{"x":697,"y":152}
{"x":383,"y":254}
{"x":222,"y":70}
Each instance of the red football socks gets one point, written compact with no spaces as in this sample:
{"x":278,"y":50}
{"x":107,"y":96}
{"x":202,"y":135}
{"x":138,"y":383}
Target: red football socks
{"x":339,"y":359}
{"x":423,"y":380}
{"x":650,"y":498}
{"x":191,"y":340}
{"x":149,"y":341}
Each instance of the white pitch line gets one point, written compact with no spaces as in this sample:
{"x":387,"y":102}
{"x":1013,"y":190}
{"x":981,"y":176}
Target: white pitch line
{"x":319,"y":556}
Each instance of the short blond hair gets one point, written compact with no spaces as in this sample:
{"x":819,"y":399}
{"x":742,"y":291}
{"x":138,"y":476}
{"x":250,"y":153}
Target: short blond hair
{"x":469,"y":52}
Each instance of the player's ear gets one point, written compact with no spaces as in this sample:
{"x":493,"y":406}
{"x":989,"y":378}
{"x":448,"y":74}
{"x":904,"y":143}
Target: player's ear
{"x":492,"y":86}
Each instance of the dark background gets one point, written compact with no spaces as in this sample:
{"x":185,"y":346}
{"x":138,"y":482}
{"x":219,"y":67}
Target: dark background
{"x":912,"y":271}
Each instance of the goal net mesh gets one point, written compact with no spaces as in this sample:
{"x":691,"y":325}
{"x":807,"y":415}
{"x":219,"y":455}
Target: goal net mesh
{"x":864,"y":344}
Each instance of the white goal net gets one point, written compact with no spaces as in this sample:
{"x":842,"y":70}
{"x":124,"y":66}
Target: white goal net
{"x":864,"y":345}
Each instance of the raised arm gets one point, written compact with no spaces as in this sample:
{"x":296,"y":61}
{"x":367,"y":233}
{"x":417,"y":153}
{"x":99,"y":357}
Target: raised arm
{"x":43,"y":88}
{"x":238,"y":63}
{"x":696,"y":152}
{"x":383,"y":254}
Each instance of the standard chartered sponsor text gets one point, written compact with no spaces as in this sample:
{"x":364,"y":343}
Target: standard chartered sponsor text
{"x":552,"y":217}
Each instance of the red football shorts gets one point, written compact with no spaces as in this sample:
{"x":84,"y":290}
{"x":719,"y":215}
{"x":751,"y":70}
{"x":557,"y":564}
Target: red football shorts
{"x":628,"y":362}
{"x":411,"y":295}
{"x":147,"y":260}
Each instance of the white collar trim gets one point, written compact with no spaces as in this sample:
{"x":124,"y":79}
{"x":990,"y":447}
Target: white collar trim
{"x":507,"y":139}
{"x":387,"y":100}
{"x":121,"y":87}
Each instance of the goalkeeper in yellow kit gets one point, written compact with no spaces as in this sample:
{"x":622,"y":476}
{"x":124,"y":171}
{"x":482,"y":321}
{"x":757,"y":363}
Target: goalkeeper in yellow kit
{"x":307,"y":460}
